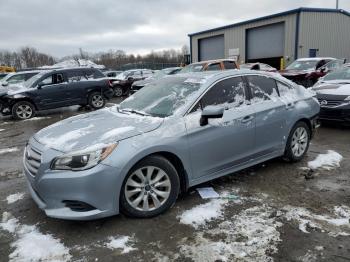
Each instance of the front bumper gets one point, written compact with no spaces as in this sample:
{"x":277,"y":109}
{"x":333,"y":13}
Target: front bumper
{"x":97,"y":187}
{"x":335,"y":114}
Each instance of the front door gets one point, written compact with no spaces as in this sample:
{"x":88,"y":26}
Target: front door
{"x":223,"y":143}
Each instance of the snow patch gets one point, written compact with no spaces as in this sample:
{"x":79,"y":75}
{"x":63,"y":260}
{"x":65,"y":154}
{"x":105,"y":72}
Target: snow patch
{"x":2,"y":130}
{"x":203,"y":213}
{"x":31,"y":245}
{"x":9,"y":150}
{"x":37,"y":118}
{"x":14,"y":198}
{"x":122,"y":242}
{"x":251,"y":235}
{"x":116,"y":131}
{"x":326,"y":161}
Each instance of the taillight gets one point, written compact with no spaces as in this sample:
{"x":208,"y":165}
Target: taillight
{"x":110,"y":83}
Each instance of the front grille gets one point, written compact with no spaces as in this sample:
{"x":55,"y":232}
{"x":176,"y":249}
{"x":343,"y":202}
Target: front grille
{"x":32,"y":160}
{"x":327,"y":102}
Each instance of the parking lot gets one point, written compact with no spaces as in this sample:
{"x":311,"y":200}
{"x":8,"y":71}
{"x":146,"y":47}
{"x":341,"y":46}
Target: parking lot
{"x":276,"y":210}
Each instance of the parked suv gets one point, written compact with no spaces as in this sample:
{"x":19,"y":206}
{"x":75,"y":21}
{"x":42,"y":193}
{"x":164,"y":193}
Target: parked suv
{"x":122,"y":83}
{"x":307,"y":71}
{"x":210,"y":65}
{"x":56,"y":88}
{"x":175,"y":133}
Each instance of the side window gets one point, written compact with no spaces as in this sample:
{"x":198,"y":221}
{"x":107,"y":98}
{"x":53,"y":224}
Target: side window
{"x":283,"y":89}
{"x":137,"y":74}
{"x":229,"y":65}
{"x":16,"y":78}
{"x":228,"y":92}
{"x":75,"y":76}
{"x":214,"y":67}
{"x":262,"y":88}
{"x":53,"y":79}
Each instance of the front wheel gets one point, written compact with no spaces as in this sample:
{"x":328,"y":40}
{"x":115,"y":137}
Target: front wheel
{"x":96,"y":100}
{"x":150,"y":188}
{"x":298,"y":142}
{"x":23,"y":110}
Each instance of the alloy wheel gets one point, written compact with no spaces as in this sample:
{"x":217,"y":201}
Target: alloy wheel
{"x":97,"y":101}
{"x":299,"y":141}
{"x":147,"y":188}
{"x":24,"y":111}
{"x":118,"y":91}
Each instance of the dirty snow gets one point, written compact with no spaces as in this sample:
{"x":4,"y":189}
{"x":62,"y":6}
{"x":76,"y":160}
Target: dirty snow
{"x":2,"y":130}
{"x":123,"y":242}
{"x":8,"y":150}
{"x":203,"y":213}
{"x":332,"y":224}
{"x":37,"y":118}
{"x":251,"y":235}
{"x":326,"y":161}
{"x":14,"y":198}
{"x":31,"y":244}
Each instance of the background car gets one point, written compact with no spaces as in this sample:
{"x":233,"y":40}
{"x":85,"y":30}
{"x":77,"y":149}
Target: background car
{"x":333,"y":93}
{"x":137,"y":85}
{"x":183,"y":131}
{"x":306,"y":71}
{"x":122,"y":83}
{"x":54,"y":89}
{"x":2,"y":75}
{"x":210,"y":65}
{"x":258,"y":66}
{"x":112,"y":73}
{"x":17,"y":78}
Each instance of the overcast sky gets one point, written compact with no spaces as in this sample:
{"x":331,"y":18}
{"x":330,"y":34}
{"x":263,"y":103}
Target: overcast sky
{"x":60,"y":27}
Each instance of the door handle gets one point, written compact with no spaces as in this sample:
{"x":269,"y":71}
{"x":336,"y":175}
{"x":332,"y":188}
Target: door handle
{"x":247,"y":119}
{"x":290,"y":105}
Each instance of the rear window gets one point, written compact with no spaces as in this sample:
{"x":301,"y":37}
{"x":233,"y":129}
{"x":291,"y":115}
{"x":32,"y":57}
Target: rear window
{"x":93,"y":73}
{"x":214,"y":67}
{"x":229,"y":65}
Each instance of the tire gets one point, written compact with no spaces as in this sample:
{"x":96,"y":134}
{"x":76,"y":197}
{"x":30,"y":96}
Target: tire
{"x":118,"y":91}
{"x":23,"y":110}
{"x":298,"y":142}
{"x":96,"y":100}
{"x":164,"y":187}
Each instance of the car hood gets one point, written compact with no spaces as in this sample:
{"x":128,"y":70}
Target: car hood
{"x":13,"y":89}
{"x":95,"y":129}
{"x":333,"y":89}
{"x":290,"y":72}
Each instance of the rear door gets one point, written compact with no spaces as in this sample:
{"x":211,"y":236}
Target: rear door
{"x":76,"y":91}
{"x":226,"y":142}
{"x":53,"y":92}
{"x":270,"y":114}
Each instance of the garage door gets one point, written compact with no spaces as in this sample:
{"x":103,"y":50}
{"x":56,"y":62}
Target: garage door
{"x":265,"y":41}
{"x":211,"y":48}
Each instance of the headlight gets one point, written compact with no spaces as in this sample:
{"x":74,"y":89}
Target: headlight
{"x":82,"y":160}
{"x":347,"y":98}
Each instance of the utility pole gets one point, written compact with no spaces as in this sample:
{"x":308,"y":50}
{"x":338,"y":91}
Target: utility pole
{"x":337,"y":4}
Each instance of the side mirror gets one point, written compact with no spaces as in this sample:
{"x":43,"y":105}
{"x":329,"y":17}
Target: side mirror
{"x":40,"y":85}
{"x":211,"y":112}
{"x":5,"y":84}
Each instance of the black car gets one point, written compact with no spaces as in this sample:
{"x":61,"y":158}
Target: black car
{"x":333,"y":94}
{"x":123,"y":81}
{"x":157,"y":75}
{"x":54,"y":89}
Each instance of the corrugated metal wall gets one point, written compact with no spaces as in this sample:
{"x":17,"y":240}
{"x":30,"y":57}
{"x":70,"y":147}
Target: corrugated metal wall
{"x":235,"y":37}
{"x":328,"y":32}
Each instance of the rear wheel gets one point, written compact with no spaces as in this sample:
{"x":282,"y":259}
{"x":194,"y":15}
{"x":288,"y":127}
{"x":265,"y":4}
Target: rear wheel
{"x":118,"y":91}
{"x":298,"y":142}
{"x":23,"y":110}
{"x":150,"y":188}
{"x":96,"y":100}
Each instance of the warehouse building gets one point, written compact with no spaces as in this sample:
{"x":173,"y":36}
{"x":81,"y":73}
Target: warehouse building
{"x":302,"y":32}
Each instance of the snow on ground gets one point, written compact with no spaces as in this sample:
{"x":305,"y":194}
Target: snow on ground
{"x":326,"y":161}
{"x":203,"y":213}
{"x":37,"y":118}
{"x":251,"y":235}
{"x":31,"y":244}
{"x":2,"y":130}
{"x":334,"y":225}
{"x":8,"y":150}
{"x":14,"y":197}
{"x":123,"y":242}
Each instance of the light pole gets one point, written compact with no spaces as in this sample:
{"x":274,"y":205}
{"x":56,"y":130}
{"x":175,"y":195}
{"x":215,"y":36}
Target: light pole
{"x":337,"y":4}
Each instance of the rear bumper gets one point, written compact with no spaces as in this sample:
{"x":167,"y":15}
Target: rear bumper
{"x":108,"y":93}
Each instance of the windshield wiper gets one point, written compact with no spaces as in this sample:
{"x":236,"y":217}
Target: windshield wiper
{"x":133,"y":111}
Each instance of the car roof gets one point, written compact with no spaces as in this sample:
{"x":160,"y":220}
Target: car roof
{"x":213,"y":61}
{"x":315,"y":58}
